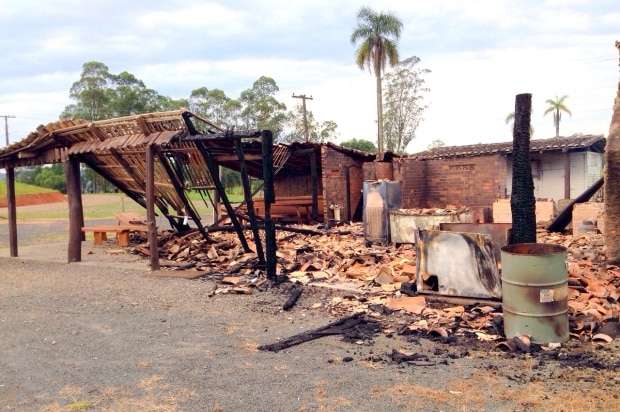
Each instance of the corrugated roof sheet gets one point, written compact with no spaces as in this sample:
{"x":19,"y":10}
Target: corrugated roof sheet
{"x":574,"y":142}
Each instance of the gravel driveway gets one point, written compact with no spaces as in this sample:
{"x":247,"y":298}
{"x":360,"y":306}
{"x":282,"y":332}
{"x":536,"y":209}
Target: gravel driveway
{"x":106,"y":335}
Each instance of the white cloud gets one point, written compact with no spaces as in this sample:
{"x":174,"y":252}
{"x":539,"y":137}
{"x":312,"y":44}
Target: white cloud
{"x":210,"y":16}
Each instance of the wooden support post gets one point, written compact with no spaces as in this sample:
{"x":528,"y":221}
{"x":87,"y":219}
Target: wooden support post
{"x":247,"y":194}
{"x":269,"y":198}
{"x":178,"y":186}
{"x":74,"y":194}
{"x":315,"y":185}
{"x":220,"y":189}
{"x":566,"y":175}
{"x":10,"y":200}
{"x":78,"y":183}
{"x":150,"y":208}
{"x":347,"y":193}
{"x":522,"y":201}
{"x":216,"y":201}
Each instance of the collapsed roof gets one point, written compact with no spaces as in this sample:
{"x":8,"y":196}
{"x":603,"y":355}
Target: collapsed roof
{"x":115,"y":149}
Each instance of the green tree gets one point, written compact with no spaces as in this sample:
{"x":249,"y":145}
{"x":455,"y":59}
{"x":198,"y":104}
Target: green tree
{"x":377,"y":34}
{"x":99,"y":94}
{"x":556,"y":107}
{"x":261,"y":109}
{"x":92,"y":93}
{"x":404,"y":103}
{"x":360,"y":144}
{"x":215,"y":106}
{"x":52,"y":177}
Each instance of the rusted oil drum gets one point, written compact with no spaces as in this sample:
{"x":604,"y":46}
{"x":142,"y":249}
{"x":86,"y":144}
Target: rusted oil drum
{"x":535,"y":291}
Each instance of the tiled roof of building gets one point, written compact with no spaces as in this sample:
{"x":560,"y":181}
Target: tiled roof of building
{"x":569,"y":143}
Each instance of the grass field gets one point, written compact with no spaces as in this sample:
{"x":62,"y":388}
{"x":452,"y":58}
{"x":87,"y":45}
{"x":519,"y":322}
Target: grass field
{"x":23,"y":189}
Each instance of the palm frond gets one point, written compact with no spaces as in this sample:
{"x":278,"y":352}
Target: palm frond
{"x":550,"y":109}
{"x":362,"y":31}
{"x":389,"y":24}
{"x":363,"y":54}
{"x":509,"y":118}
{"x":563,"y":108}
{"x":391,"y":51}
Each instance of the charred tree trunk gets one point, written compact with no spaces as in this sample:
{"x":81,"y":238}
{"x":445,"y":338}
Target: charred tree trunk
{"x":522,"y":201}
{"x":612,"y":186}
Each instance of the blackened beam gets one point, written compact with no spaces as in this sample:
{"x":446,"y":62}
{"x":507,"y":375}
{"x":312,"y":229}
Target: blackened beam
{"x":213,"y":170}
{"x":180,"y":191}
{"x":269,"y":198}
{"x":247,"y":193}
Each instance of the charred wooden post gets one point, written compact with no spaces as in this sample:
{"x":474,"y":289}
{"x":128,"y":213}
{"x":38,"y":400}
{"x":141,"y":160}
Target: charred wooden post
{"x":522,"y":201}
{"x":247,"y":193}
{"x":78,"y":184}
{"x":178,"y":186}
{"x":213,"y":170}
{"x":150,"y":208}
{"x":216,"y":201}
{"x":12,"y":209}
{"x":315,"y":185}
{"x":76,"y":217}
{"x":269,"y":197}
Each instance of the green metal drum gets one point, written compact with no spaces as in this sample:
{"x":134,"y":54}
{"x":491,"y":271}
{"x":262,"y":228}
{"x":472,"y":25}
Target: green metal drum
{"x":535,"y":291}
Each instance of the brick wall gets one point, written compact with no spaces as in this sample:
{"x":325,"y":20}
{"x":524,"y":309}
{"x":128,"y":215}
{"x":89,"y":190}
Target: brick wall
{"x":471,"y":181}
{"x":412,"y":175}
{"x":333,"y":166}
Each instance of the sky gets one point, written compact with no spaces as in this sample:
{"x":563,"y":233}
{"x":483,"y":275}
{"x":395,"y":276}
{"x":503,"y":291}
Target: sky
{"x":480,"y":53}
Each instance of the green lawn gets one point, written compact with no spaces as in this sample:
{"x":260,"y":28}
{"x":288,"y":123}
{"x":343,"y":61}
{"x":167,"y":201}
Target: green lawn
{"x":23,"y":189}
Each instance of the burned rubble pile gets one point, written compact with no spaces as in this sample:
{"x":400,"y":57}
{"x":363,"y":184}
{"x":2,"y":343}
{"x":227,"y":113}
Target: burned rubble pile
{"x":380,"y":280}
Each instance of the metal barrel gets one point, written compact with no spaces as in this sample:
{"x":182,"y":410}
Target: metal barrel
{"x":535,"y":291}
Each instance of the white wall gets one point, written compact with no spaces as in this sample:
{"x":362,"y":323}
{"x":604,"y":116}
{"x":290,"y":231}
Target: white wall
{"x":548,"y":173}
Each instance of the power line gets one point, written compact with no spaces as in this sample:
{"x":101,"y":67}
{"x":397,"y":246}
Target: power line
{"x":6,"y":126}
{"x":303,"y":97}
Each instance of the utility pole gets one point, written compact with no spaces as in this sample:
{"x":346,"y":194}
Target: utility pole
{"x":303,"y":97}
{"x":6,"y":126}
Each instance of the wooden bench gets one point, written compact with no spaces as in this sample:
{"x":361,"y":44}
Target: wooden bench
{"x":121,"y":231}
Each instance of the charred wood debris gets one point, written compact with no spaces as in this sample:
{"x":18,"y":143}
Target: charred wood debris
{"x":380,"y":284}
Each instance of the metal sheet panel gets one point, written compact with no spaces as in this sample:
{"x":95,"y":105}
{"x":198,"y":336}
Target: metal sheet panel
{"x":499,"y":232}
{"x":457,"y":264}
{"x":404,"y":224}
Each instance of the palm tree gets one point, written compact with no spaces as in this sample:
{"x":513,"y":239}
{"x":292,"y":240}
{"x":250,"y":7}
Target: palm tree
{"x":556,"y":107}
{"x":378,"y":34}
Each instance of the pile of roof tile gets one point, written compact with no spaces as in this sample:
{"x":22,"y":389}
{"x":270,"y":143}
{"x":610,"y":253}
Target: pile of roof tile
{"x":341,"y":258}
{"x":594,"y":286}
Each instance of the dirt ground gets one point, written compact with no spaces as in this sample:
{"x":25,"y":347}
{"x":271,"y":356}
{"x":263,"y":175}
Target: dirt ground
{"x":106,"y":334}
